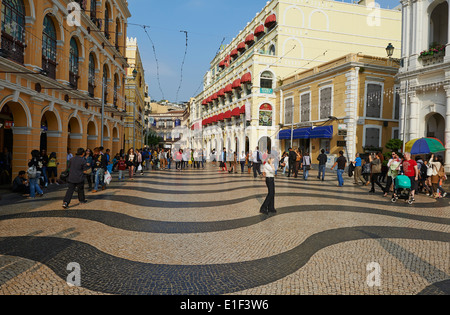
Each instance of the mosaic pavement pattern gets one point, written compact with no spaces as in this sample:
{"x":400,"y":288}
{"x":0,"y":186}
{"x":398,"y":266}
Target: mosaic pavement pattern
{"x":200,"y":232}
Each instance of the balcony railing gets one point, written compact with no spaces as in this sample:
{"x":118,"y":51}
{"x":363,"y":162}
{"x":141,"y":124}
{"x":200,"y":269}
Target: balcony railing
{"x":91,"y":89}
{"x":73,"y":80}
{"x":49,"y":66}
{"x":433,"y":59}
{"x":12,"y":48}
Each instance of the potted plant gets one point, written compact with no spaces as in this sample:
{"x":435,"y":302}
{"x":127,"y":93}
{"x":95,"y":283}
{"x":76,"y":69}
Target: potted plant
{"x":435,"y":50}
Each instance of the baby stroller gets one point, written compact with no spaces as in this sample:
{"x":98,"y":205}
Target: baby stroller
{"x":402,"y":189}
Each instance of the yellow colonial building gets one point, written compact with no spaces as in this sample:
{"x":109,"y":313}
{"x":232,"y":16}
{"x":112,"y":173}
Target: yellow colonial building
{"x":238,"y":103}
{"x":351,"y":104}
{"x":135,"y":92}
{"x":59,"y":63}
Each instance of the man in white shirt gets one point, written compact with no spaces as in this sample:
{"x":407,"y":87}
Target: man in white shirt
{"x":257,"y":160}
{"x":242,"y":161}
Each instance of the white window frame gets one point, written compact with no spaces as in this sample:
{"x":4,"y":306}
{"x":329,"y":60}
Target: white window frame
{"x":332,"y":100}
{"x":365,"y":99}
{"x":310,"y":106}
{"x":284,"y":110}
{"x":393,"y":131}
{"x":380,"y":128}
{"x":396,"y":87}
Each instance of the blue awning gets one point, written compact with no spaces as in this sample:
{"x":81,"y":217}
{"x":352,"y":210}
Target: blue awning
{"x":284,"y":134}
{"x":303,"y":133}
{"x":324,"y":132}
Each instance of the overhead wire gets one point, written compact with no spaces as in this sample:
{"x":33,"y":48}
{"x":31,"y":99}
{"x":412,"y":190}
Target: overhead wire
{"x":182,"y":65}
{"x":156,"y":59}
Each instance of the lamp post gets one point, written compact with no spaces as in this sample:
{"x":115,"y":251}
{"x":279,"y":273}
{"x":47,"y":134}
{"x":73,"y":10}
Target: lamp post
{"x":135,"y":74}
{"x":390,"y":52}
{"x":102,"y":140}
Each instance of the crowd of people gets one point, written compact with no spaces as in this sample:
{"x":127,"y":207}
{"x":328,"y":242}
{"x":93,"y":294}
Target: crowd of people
{"x":97,"y":165}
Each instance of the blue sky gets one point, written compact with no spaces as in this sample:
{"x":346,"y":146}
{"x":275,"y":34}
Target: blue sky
{"x":207,"y":23}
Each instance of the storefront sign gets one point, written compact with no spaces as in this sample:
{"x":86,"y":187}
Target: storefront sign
{"x":265,"y":115}
{"x":9,"y":124}
{"x":266,"y":91}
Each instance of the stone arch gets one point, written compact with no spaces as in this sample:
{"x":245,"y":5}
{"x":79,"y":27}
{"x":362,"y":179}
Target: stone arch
{"x":318,"y":23}
{"x":92,"y":128}
{"x":293,"y":47}
{"x":80,"y":42}
{"x":55,"y":123}
{"x":30,"y":11}
{"x":92,"y":134}
{"x":296,"y":12}
{"x":51,"y":130}
{"x":106,"y":130}
{"x":438,"y":23}
{"x":435,"y":126}
{"x":57,"y":21}
{"x":265,"y":144}
{"x":75,"y":133}
{"x":14,"y":137}
{"x":95,"y":53}
{"x":20,"y":110}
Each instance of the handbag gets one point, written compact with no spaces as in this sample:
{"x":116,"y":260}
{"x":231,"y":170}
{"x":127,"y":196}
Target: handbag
{"x":441,"y":172}
{"x":376,"y":168}
{"x":64,"y":175}
{"x":32,"y":172}
{"x":88,"y":171}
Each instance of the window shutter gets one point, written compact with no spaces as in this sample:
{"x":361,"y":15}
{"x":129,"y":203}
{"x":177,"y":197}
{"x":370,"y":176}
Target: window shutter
{"x":325,"y":103}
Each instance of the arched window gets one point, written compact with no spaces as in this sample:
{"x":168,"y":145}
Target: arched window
{"x":107,"y":15}
{"x":93,"y":9}
{"x":117,"y":34}
{"x":105,"y":83}
{"x":116,"y":87}
{"x":272,"y":50}
{"x":439,"y":25}
{"x":13,"y":29}
{"x":49,"y":47}
{"x":91,"y":79}
{"x":267,"y":80}
{"x":73,"y":63}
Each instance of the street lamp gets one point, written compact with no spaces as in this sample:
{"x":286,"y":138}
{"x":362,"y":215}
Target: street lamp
{"x":135,"y":74}
{"x":390,"y":52}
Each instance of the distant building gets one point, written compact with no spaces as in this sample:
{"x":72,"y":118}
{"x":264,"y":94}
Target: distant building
{"x":169,"y":122}
{"x":135,"y":92}
{"x":238,"y":102}
{"x":349,"y":104}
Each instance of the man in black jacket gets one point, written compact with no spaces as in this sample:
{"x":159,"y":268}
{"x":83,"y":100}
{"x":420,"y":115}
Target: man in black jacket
{"x":292,"y":159}
{"x":77,"y":169}
{"x":323,"y":158}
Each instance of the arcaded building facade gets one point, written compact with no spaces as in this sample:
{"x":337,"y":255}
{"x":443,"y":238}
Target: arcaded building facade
{"x":61,"y":67}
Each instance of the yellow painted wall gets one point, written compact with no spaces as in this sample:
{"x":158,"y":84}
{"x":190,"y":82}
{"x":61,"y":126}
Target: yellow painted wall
{"x":17,"y":91}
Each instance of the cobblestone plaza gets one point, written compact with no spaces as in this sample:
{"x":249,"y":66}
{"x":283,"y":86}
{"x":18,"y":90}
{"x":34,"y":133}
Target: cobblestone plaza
{"x":199,"y":232}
